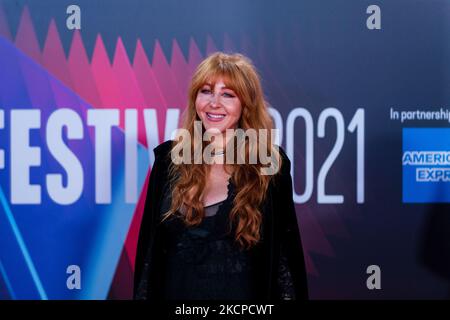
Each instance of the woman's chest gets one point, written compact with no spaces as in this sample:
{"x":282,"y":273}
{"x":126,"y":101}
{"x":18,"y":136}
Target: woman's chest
{"x":216,"y":188}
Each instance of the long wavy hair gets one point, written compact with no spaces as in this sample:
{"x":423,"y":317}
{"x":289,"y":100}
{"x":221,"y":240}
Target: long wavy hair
{"x":189,"y":180}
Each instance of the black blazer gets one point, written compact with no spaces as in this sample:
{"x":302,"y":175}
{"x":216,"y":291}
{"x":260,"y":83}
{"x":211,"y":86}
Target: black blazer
{"x":280,"y":238}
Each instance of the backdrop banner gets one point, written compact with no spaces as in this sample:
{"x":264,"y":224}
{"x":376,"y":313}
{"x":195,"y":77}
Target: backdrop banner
{"x":358,"y":90}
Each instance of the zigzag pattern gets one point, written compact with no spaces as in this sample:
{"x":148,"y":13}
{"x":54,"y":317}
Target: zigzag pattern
{"x":138,"y":83}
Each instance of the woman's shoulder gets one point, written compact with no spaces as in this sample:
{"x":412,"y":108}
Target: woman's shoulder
{"x":285,"y":162}
{"x":282,"y":153}
{"x":163,"y":149}
{"x":283,"y":175}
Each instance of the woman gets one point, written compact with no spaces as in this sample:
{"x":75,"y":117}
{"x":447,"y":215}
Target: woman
{"x":220,"y":229}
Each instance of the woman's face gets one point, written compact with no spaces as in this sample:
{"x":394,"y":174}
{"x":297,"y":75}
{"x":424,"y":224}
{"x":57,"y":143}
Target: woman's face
{"x":218,"y":107}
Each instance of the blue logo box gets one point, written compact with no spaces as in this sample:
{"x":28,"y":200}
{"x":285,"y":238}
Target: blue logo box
{"x":426,"y":165}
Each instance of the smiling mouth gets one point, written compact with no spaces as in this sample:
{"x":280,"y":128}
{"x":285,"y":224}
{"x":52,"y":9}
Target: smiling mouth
{"x":214,"y":117}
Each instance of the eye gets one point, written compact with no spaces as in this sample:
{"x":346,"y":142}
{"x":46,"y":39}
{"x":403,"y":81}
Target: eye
{"x":205,"y":91}
{"x":228,"y":95}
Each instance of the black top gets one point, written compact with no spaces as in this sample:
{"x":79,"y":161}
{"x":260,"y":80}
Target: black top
{"x":204,"y":261}
{"x":279,"y":266}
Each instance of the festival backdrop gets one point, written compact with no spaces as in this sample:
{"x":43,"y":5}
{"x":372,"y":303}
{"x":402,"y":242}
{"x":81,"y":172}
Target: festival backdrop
{"x":357,"y":88}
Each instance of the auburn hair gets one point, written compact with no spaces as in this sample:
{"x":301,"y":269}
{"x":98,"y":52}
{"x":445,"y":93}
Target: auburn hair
{"x":189,"y":180}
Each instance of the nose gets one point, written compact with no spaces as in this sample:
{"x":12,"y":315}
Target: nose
{"x":214,"y":100}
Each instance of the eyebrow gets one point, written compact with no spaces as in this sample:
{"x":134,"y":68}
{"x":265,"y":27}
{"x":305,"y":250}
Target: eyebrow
{"x":224,"y":87}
